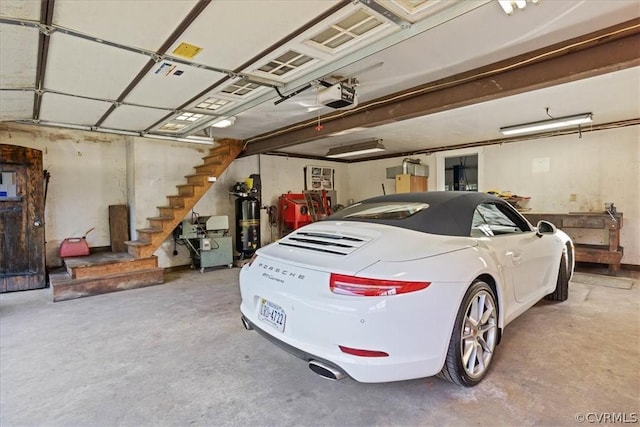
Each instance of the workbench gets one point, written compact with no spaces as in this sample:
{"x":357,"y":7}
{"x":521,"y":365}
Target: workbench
{"x":578,"y":225}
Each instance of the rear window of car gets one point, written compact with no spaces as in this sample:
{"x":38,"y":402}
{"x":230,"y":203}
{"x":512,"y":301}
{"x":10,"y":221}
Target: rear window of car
{"x":386,"y":210}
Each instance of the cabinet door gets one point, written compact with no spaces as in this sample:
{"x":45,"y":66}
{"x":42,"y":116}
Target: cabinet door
{"x":406,"y":183}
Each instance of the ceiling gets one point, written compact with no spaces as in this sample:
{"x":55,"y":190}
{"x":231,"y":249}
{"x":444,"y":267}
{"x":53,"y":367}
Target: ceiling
{"x":429,"y":74}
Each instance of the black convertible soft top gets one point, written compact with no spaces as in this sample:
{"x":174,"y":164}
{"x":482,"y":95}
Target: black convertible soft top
{"x":450,"y":213}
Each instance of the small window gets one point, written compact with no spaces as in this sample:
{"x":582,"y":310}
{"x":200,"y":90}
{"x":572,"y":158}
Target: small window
{"x":350,"y":29}
{"x":491,"y":219}
{"x":388,"y":210}
{"x":213,"y":104}
{"x":241,"y":87}
{"x":285,"y":63}
{"x":8,"y":185}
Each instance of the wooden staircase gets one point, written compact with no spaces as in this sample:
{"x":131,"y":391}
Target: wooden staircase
{"x":161,"y":226}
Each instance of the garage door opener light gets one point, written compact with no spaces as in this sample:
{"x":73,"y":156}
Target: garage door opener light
{"x":366,"y":147}
{"x":560,"y":122}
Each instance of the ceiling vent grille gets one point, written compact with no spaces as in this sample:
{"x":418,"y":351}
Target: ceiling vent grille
{"x":285,"y":63}
{"x":348,"y":30}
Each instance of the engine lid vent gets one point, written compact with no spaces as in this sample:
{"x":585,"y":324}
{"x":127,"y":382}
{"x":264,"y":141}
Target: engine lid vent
{"x":332,"y":243}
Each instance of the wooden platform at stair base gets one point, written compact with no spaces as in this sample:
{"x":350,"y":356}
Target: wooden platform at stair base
{"x":103,"y":273}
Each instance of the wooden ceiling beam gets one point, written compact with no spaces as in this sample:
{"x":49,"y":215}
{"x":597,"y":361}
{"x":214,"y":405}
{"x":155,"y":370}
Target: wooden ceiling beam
{"x":605,"y":51}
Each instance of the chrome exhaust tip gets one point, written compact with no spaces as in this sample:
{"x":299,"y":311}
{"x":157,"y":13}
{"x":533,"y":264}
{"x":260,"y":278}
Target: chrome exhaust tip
{"x":246,"y":324}
{"x":325,"y":371}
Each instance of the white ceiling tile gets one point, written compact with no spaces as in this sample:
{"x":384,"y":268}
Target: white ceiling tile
{"x":83,"y":67}
{"x":169,"y":85}
{"x":69,"y":109}
{"x":127,"y":117}
{"x":18,"y":56}
{"x":145,"y":24}
{"x":16,"y":105}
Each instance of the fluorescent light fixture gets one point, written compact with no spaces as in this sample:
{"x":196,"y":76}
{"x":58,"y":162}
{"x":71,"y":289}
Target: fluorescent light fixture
{"x":366,"y":147}
{"x":560,"y":122}
{"x":223,"y":122}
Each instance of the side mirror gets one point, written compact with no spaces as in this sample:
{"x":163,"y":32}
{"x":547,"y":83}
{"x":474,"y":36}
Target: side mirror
{"x":545,"y":227}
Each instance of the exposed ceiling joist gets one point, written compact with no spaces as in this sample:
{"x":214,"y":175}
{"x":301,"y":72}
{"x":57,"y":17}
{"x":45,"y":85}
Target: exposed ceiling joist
{"x":601,"y":52}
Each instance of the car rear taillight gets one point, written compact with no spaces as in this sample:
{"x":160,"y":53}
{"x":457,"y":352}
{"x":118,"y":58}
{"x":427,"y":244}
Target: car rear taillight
{"x":363,"y":353}
{"x":366,"y":287}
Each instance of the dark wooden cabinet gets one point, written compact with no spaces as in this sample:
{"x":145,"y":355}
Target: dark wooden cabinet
{"x":22,"y":263}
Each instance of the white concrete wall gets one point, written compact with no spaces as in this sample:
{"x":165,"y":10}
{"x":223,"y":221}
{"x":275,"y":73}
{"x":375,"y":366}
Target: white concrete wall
{"x":600,"y":167}
{"x":365,"y":179}
{"x":88,"y":173}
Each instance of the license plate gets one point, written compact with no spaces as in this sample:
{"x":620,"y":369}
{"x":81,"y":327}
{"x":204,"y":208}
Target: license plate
{"x":272,"y":314}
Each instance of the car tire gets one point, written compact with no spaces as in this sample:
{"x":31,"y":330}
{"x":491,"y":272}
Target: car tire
{"x":562,"y":285}
{"x":474,"y":337}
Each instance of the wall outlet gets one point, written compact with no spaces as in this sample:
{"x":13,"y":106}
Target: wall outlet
{"x":573,"y":197}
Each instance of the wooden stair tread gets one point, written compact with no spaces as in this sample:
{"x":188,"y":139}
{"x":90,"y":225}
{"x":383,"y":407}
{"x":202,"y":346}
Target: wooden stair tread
{"x":160,"y":218}
{"x":63,"y":287}
{"x":137,"y":243}
{"x":212,"y":160}
{"x":100,"y":258}
{"x":103,"y":264}
{"x":150,"y":230}
{"x":64,"y":278}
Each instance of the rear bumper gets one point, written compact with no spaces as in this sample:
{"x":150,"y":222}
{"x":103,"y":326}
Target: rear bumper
{"x":361,"y":369}
{"x":307,"y":357}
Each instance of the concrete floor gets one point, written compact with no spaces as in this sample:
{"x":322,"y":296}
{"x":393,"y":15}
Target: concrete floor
{"x":176,"y":354}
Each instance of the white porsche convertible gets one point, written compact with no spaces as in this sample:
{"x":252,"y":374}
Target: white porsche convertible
{"x":405,"y":286}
